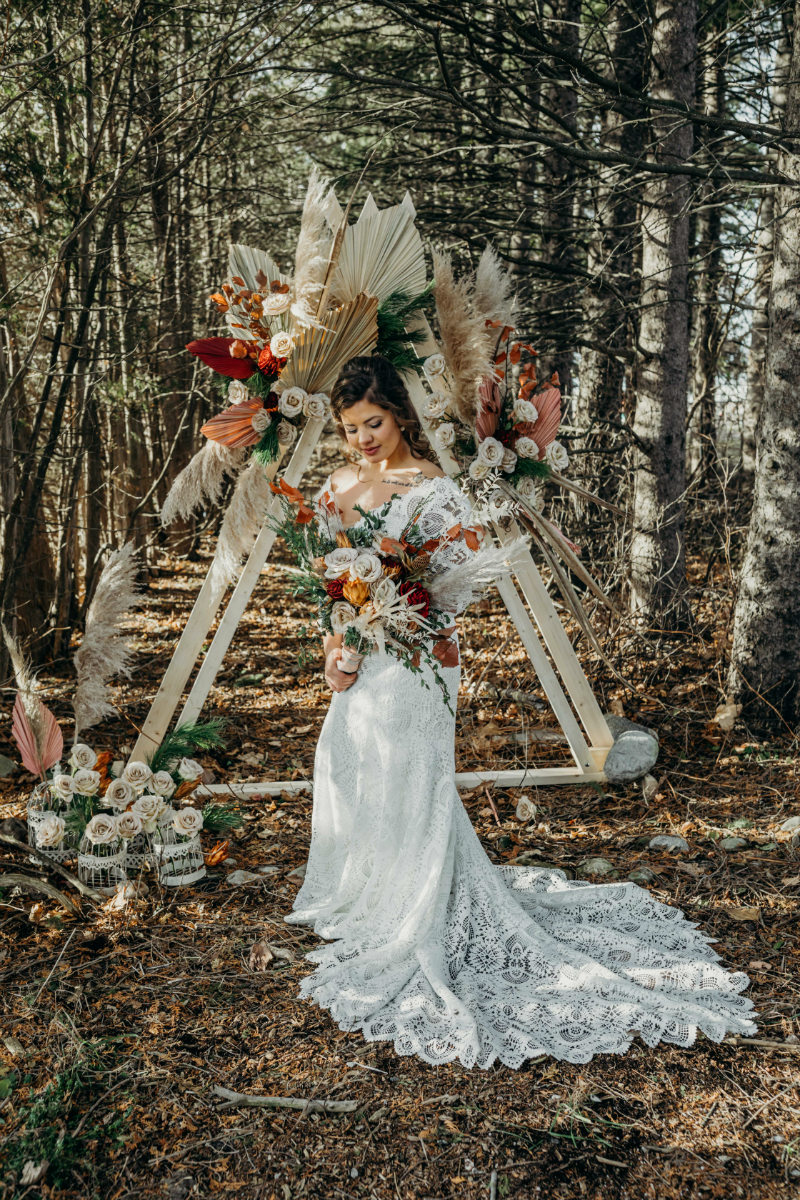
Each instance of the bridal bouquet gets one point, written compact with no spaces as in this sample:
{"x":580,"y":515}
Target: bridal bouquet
{"x":396,"y":595}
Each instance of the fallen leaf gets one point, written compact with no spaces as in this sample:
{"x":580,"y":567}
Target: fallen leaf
{"x":744,"y":914}
{"x":726,"y":715}
{"x":758,"y":966}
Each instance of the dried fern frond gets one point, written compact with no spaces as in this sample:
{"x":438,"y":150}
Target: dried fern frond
{"x":244,"y":517}
{"x":105,"y":650}
{"x":467,"y":344}
{"x":201,"y":481}
{"x":381,"y":254}
{"x":492,"y":295}
{"x":313,"y":252}
{"x":320,"y":353}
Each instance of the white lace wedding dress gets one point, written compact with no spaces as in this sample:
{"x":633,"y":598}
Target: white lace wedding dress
{"x":441,"y":951}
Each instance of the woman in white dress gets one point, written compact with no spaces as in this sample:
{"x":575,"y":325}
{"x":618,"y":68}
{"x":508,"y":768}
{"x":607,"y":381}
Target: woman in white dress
{"x":431,"y":944}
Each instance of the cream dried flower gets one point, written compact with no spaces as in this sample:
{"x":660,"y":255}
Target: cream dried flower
{"x":366,"y":567}
{"x":316,"y":405}
{"x":526,"y":411}
{"x":129,"y":824}
{"x":187,"y":822}
{"x":509,"y":461}
{"x":526,"y":447}
{"x":137,"y":774}
{"x":339,"y":561}
{"x":526,"y":809}
{"x":286,"y":433}
{"x":280,"y":344}
{"x":446,"y":434}
{"x":261,"y":420}
{"x":162,"y":784}
{"x":102,"y":829}
{"x":86,"y":782}
{"x":434,"y":366}
{"x":557,"y":456}
{"x":82,"y":755}
{"x":478,"y":469}
{"x":437,"y":405}
{"x":342,"y":615}
{"x":491,"y":452}
{"x":118,"y":794}
{"x":291,"y":401}
{"x":276,"y":303}
{"x":237,"y":392}
{"x":50,"y":832}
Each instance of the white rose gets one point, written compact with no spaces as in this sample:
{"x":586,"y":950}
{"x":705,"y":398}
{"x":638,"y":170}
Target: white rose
{"x":509,"y":461}
{"x":527,"y":489}
{"x":51,"y":831}
{"x":316,"y":405}
{"x":342,"y":615}
{"x":437,"y":405}
{"x":118,"y":794}
{"x":384,"y":592}
{"x":276,"y":303}
{"x":526,"y":447}
{"x":557,"y":456}
{"x":339,"y":561}
{"x":281,"y":344}
{"x":63,"y":787}
{"x":286,"y":433}
{"x":129,"y":824}
{"x":526,"y":809}
{"x":497,"y":503}
{"x":446,"y":434}
{"x":491,"y":452}
{"x":102,"y":829}
{"x":82,"y":756}
{"x":526,"y":410}
{"x":190,"y":769}
{"x":291,"y":401}
{"x":86,"y":782}
{"x":261,"y":420}
{"x":434,"y":366}
{"x":148,"y":809}
{"x":478,"y":469}
{"x":137,"y":774}
{"x":162,"y":784}
{"x":188,"y":822}
{"x":237,"y":392}
{"x":366,"y":567}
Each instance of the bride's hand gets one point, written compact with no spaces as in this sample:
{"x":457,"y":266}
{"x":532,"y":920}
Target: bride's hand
{"x":338,"y":681}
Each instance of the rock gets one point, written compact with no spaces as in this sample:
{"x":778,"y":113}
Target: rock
{"x":731,"y":843}
{"x":642,"y":875}
{"x":597,"y":866}
{"x":790,"y":825}
{"x":634,"y":752}
{"x":13,"y":827}
{"x":668,"y":841}
{"x":298,"y":872}
{"x":528,"y":858}
{"x":7,"y":766}
{"x":649,"y":788}
{"x":229,"y":862}
{"x":238,"y":878}
{"x":14,"y":1046}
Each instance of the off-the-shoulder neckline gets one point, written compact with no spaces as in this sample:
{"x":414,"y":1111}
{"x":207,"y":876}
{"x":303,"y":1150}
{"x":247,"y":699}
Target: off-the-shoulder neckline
{"x":427,"y":479}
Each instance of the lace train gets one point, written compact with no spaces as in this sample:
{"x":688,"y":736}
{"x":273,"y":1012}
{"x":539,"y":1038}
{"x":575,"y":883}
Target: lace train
{"x":450,"y":956}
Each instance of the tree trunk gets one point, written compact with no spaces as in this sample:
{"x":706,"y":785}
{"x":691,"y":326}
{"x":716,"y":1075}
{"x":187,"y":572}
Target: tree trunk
{"x":658,"y":571}
{"x":757,"y":352}
{"x":765,"y":659}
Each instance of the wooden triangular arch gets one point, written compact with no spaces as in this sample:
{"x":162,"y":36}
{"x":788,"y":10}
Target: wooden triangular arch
{"x":523,"y":592}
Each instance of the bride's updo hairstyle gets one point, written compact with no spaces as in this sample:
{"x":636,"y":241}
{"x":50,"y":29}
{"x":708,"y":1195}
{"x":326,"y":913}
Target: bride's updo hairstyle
{"x":377,"y":381}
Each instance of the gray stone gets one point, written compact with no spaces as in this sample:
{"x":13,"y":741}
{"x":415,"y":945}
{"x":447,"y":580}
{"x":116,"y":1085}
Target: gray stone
{"x":790,"y":825}
{"x":668,"y":841}
{"x":731,"y":843}
{"x":597,"y":866}
{"x":229,"y":862}
{"x":7,"y":766}
{"x":642,"y":875}
{"x":237,"y":878}
{"x":298,"y":872}
{"x":634,"y":752}
{"x":528,"y":858}
{"x":267,"y":870}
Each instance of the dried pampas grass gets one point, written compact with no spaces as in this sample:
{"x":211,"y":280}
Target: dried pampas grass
{"x":466,"y":342}
{"x":243,"y":518}
{"x":312,"y":254}
{"x":201,"y":481}
{"x":105,"y":650}
{"x":475,"y":575}
{"x":493,"y":292}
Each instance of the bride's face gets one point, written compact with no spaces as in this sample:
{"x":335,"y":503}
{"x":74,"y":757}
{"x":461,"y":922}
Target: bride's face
{"x":372,"y":430}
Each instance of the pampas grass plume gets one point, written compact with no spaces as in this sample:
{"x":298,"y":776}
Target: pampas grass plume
{"x":243,"y":517}
{"x":311,"y":256}
{"x":466,"y":342}
{"x":201,"y":481}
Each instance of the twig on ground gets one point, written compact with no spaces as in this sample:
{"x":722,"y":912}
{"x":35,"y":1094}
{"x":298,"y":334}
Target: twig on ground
{"x":78,"y":884}
{"x":34,"y":884}
{"x":305,"y":1106}
{"x":52,"y":969}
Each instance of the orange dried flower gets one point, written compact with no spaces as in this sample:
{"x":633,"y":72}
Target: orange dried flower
{"x":356,"y":591}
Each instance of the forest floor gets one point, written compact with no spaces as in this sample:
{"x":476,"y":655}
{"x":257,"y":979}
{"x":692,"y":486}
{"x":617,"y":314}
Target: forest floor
{"x":119,"y":1022}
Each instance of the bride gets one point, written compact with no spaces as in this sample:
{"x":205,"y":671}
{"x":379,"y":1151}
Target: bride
{"x":430,"y":944}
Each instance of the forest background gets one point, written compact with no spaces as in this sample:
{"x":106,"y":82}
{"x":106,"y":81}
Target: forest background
{"x":636,"y":166}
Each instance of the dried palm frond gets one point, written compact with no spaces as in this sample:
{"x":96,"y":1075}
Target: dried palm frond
{"x":320,"y":353}
{"x":255,"y":267}
{"x":233,"y":427}
{"x":105,"y":651}
{"x":244,"y":517}
{"x":477,"y":573}
{"x":312,"y":254}
{"x":201,"y":481}
{"x":493,"y":292}
{"x":33,"y":726}
{"x":250,"y":270}
{"x":381,"y":254}
{"x":467,"y":344}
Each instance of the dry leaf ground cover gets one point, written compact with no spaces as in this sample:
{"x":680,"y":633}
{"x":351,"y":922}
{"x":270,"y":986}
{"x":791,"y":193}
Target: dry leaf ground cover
{"x":119,"y":1023}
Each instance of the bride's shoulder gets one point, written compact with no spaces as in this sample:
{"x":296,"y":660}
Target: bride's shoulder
{"x":430,"y":470}
{"x":342,"y":477}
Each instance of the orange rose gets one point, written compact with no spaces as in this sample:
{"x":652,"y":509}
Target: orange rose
{"x":356,"y":591}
